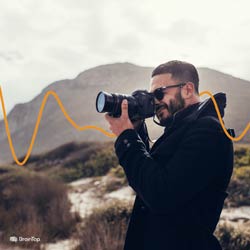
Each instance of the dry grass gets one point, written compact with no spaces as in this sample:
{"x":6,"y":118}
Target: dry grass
{"x":105,"y":228}
{"x":33,"y":205}
{"x":234,"y":238}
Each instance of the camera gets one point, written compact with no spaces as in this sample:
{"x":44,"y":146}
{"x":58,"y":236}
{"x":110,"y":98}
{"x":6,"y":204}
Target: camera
{"x":141,"y":104}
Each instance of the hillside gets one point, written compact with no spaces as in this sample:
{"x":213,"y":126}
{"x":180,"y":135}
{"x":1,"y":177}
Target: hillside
{"x":78,"y":96}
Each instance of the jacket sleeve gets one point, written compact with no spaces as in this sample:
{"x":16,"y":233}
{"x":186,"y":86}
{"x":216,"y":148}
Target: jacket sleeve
{"x":165,"y":186}
{"x":142,"y":131}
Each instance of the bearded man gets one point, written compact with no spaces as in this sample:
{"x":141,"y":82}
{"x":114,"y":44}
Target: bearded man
{"x":181,"y":182}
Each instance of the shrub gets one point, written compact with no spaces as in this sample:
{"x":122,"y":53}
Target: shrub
{"x":98,"y":163}
{"x":243,"y":173}
{"x":116,"y":180}
{"x":32,"y":205}
{"x":241,"y":156}
{"x":101,"y":162}
{"x":74,"y":161}
{"x":105,"y":228}
{"x":232,"y":238}
{"x":239,"y":188}
{"x":118,"y":172}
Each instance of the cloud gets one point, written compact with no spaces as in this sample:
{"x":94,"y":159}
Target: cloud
{"x":45,"y":41}
{"x":11,"y":56}
{"x":188,"y":32}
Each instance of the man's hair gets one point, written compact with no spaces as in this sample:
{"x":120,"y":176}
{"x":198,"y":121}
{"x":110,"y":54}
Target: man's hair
{"x":182,"y":71}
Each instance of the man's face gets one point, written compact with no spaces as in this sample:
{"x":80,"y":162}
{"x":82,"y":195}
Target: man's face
{"x":172,"y":100}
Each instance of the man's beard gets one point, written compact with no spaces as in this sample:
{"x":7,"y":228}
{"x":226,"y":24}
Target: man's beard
{"x":175,"y":105}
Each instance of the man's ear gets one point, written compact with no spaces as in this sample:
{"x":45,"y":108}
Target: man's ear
{"x":188,"y":91}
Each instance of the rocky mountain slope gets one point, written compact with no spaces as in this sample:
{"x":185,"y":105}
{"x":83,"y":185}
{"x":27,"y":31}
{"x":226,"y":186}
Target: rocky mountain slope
{"x":78,"y":96}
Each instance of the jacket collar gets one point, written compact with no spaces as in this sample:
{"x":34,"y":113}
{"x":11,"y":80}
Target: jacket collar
{"x":193,"y":112}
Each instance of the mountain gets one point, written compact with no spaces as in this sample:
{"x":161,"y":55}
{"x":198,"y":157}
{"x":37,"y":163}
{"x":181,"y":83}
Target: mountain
{"x":78,"y":97}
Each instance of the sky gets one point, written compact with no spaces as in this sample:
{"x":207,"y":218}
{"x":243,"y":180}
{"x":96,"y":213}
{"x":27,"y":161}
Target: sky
{"x":49,"y":40}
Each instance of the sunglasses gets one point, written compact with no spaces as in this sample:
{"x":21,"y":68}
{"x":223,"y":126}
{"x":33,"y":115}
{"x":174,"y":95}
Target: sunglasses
{"x":160,"y":92}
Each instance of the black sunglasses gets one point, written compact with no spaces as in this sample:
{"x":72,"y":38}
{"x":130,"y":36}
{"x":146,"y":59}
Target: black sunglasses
{"x":159,"y":93}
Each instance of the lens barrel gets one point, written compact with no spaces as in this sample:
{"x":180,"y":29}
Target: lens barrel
{"x":104,"y":102}
{"x":140,"y":104}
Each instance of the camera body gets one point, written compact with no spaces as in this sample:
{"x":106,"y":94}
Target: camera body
{"x":141,"y":104}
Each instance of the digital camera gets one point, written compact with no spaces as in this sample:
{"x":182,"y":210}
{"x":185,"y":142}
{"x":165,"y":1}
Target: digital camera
{"x":141,"y":104}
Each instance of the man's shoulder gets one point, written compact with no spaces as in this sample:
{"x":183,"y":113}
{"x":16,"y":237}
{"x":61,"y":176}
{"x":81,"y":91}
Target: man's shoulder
{"x":207,"y":122}
{"x":206,"y":127}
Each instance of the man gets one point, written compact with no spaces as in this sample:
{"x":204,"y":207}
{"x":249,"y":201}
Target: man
{"x":181,"y":182}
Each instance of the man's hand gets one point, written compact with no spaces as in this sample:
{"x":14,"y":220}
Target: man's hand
{"x":118,"y":125}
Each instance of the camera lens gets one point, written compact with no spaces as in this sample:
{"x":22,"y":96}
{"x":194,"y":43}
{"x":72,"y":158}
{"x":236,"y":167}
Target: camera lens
{"x":100,"y":102}
{"x":105,"y":102}
{"x":140,"y":104}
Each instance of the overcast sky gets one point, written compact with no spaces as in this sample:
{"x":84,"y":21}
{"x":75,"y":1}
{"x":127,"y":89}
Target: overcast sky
{"x":49,"y":40}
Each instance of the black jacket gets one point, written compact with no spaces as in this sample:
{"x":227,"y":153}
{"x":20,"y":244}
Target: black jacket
{"x":180,"y":183}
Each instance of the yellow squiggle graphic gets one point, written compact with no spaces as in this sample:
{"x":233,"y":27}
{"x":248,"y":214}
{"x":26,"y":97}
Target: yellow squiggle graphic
{"x":81,"y":128}
{"x":50,"y":92}
{"x":221,"y":122}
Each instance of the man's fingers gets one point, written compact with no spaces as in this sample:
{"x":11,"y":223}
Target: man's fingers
{"x":108,"y":117}
{"x":119,"y":124}
{"x":124,"y":108}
